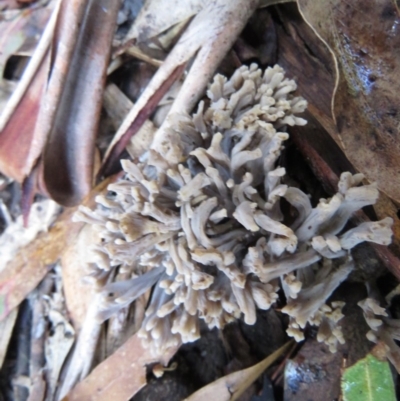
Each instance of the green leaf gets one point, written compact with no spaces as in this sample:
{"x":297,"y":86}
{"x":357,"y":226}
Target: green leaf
{"x":368,"y":380}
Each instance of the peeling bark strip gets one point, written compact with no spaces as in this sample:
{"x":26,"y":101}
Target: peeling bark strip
{"x":76,"y":86}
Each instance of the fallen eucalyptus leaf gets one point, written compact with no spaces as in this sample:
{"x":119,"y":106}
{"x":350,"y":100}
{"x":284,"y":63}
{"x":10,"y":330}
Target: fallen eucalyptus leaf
{"x":363,"y":38}
{"x":369,"y":379}
{"x":17,"y":136}
{"x":230,"y":387}
{"x":120,"y":376}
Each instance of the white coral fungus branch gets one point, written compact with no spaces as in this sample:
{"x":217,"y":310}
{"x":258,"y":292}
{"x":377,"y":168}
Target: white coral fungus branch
{"x":199,"y":216}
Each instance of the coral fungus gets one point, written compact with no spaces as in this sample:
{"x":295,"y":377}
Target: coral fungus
{"x":199,"y":220}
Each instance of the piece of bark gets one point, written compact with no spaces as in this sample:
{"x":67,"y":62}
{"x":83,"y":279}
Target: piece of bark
{"x":363,"y":39}
{"x":74,"y":96}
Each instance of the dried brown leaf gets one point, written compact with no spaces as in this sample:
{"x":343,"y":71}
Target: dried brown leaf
{"x":230,"y":387}
{"x":120,"y":376}
{"x":314,"y":373}
{"x":364,"y":41}
{"x":31,"y":69}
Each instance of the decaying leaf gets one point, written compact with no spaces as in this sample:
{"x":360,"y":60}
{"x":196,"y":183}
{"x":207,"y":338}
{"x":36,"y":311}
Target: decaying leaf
{"x":369,"y":379}
{"x":230,"y":387}
{"x":120,"y":376}
{"x":326,"y":158}
{"x":364,"y":40}
{"x":16,"y":138}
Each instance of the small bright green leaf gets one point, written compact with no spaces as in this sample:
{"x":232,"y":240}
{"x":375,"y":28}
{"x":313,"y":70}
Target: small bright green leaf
{"x":368,"y":380}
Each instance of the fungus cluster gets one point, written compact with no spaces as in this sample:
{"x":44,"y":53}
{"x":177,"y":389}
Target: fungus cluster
{"x":199,"y":220}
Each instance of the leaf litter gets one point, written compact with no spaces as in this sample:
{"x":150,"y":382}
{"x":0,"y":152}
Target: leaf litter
{"x":183,"y":42}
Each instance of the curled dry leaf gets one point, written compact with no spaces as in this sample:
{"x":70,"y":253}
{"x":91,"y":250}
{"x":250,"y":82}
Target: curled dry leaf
{"x":71,"y":106}
{"x":230,"y":387}
{"x":364,"y":40}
